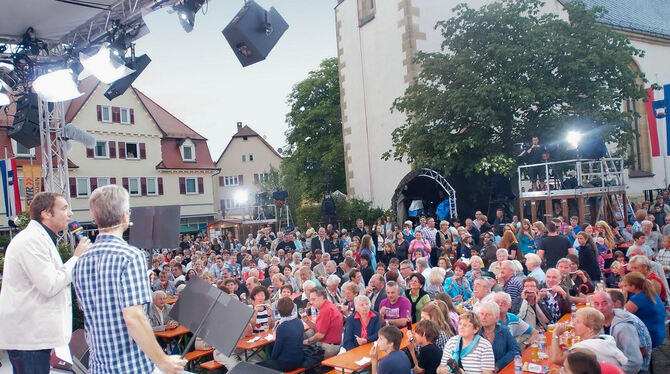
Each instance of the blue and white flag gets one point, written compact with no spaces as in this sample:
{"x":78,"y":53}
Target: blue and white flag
{"x":10,"y":187}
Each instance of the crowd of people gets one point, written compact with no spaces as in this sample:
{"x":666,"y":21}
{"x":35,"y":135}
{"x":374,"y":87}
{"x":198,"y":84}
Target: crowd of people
{"x":477,"y":293}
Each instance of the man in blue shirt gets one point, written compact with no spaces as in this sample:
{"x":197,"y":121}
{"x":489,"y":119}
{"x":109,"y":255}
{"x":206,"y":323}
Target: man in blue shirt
{"x":113,"y":291}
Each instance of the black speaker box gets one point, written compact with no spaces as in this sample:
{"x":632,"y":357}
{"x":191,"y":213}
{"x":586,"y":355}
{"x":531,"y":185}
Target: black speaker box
{"x":121,"y":85}
{"x":26,"y":128}
{"x":248,"y":35}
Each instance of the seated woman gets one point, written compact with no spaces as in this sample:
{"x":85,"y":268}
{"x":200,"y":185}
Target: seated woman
{"x":458,"y":286}
{"x":416,"y":295}
{"x":587,"y":326}
{"x":644,"y":302}
{"x":261,"y":320}
{"x":362,"y":326}
{"x":435,"y":281}
{"x":504,"y":345}
{"x":475,"y":272}
{"x":284,"y":291}
{"x":445,"y":264}
{"x":287,"y":351}
{"x":433,"y":312}
{"x":613,"y":278}
{"x":468,"y":349}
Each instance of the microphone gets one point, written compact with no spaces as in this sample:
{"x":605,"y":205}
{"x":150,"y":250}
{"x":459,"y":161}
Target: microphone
{"x":76,"y":230}
{"x":72,"y":132}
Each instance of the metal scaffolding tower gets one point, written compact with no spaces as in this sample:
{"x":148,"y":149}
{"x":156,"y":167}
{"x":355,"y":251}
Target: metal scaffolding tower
{"x":54,"y":152}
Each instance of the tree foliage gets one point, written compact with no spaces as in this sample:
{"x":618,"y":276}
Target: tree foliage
{"x":314,"y":156}
{"x":347,"y":211}
{"x":507,"y":71}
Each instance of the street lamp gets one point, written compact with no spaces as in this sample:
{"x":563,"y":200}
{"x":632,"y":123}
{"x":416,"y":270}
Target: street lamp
{"x":573,"y":138}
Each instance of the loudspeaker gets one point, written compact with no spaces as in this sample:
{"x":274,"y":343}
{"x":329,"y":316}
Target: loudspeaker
{"x":26,"y":128}
{"x":121,"y":85}
{"x":253,"y":32}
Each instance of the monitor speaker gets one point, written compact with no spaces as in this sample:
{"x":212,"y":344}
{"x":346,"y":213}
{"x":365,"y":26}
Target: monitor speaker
{"x":254,"y":32}
{"x":26,"y":128}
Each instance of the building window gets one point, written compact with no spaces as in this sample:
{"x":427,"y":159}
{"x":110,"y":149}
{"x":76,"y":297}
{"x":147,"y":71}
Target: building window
{"x":22,"y":151}
{"x":106,"y":113}
{"x":103,"y":181}
{"x":251,"y":157}
{"x":263,"y":177}
{"x":230,"y":204}
{"x":101,"y":149}
{"x":152,"y":186}
{"x":134,"y":186}
{"x":83,"y":187}
{"x":22,"y":187}
{"x":191,"y":186}
{"x":187,"y":153}
{"x":244,"y":158}
{"x":125,"y":116}
{"x":132,"y":151}
{"x":231,"y":180}
{"x":366,"y":11}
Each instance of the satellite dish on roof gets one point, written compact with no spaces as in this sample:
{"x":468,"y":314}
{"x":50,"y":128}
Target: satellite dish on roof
{"x":279,"y":150}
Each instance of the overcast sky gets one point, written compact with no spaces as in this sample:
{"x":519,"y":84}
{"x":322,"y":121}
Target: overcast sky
{"x":197,"y":78}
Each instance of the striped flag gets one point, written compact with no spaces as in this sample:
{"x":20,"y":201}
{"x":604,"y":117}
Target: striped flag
{"x":10,"y":187}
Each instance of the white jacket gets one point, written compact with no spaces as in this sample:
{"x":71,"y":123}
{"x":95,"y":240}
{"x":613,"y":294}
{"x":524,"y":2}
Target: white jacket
{"x":35,"y":300}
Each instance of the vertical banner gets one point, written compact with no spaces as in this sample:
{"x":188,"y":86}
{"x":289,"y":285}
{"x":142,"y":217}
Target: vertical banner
{"x":651,"y":121}
{"x":32,"y":180}
{"x":10,"y":187}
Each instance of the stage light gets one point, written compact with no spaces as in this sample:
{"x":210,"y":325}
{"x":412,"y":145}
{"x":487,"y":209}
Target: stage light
{"x":4,"y":99}
{"x":120,"y":86}
{"x":186,"y":11}
{"x":573,"y":138}
{"x":241,"y":196}
{"x":106,"y":65}
{"x":57,"y":86}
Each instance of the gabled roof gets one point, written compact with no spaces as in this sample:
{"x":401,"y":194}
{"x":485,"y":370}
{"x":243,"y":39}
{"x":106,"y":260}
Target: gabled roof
{"x":170,"y":125}
{"x":87,"y":86}
{"x":648,"y":17}
{"x":246,"y":131}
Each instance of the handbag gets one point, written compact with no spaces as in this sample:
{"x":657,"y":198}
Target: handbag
{"x":313,"y":354}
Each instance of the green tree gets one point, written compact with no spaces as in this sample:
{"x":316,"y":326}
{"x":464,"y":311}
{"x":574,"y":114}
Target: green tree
{"x":314,"y":156}
{"x":507,"y":71}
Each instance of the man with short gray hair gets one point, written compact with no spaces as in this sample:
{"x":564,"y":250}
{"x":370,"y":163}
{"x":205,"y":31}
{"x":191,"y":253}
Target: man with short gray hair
{"x":112,"y":289}
{"x":159,"y":313}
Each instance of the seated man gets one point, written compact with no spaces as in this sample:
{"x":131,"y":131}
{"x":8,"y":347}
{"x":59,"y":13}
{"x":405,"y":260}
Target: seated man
{"x":163,"y":283}
{"x":395,"y":309}
{"x":328,"y":327}
{"x":158,"y":313}
{"x":553,"y":299}
{"x":576,"y":282}
{"x":527,"y":308}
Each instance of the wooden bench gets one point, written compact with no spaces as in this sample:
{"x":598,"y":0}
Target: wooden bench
{"x":197,"y":354}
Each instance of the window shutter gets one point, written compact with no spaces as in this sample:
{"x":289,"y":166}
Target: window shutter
{"x":255,"y":178}
{"x":94,"y":184}
{"x":124,"y":182}
{"x":143,"y":185}
{"x":116,"y":114}
{"x":221,"y":183}
{"x":99,"y":109}
{"x":239,"y":179}
{"x":132,"y":116}
{"x":160,"y":185}
{"x":73,"y":187}
{"x":112,"y":180}
{"x":89,"y":153}
{"x":112,"y":149}
{"x":182,"y":185}
{"x":42,"y":183}
{"x":122,"y":149}
{"x":143,"y":151}
{"x":201,"y":185}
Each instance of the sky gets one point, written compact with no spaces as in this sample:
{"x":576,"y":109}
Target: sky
{"x":197,"y":78}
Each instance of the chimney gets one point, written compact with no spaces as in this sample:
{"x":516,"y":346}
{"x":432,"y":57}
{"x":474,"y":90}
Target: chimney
{"x":239,"y":126}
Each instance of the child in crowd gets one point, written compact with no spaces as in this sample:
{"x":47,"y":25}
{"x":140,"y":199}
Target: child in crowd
{"x":425,"y":334}
{"x":639,"y":242}
{"x":396,"y":361}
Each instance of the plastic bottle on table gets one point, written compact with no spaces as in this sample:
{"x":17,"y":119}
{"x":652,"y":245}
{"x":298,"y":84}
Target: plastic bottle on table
{"x":573,"y":312}
{"x":518,"y":365}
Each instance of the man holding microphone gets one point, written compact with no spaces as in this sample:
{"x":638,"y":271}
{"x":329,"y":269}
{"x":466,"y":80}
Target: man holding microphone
{"x":35,"y":301}
{"x":112,"y":287}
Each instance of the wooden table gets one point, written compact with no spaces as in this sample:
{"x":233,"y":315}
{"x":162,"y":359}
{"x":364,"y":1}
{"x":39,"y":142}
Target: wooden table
{"x":262,"y":344}
{"x":526,"y":355}
{"x":178,"y":332}
{"x":171,"y":300}
{"x":347,"y":360}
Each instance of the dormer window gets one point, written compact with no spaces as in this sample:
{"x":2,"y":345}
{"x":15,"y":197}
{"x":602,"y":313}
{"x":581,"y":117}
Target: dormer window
{"x":187,"y":151}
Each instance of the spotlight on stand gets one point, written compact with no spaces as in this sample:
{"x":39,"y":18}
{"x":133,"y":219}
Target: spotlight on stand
{"x":121,"y":85}
{"x":573,"y":138}
{"x":241,"y":197}
{"x":186,"y":10}
{"x":253,"y":32}
{"x":57,"y":86}
{"x":106,"y":65}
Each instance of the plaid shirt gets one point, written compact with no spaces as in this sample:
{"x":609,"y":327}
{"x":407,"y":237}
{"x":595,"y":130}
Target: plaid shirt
{"x":109,"y":277}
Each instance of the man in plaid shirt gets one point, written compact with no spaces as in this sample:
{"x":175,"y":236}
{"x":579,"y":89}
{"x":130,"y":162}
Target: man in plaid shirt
{"x":113,"y":290}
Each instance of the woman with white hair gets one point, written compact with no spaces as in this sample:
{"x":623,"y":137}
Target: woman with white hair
{"x":435,"y":280}
{"x":333,"y":293}
{"x":475,"y":272}
{"x":362,"y":326}
{"x":502,"y":341}
{"x":519,"y":329}
{"x":501,"y":255}
{"x":533,"y":263}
